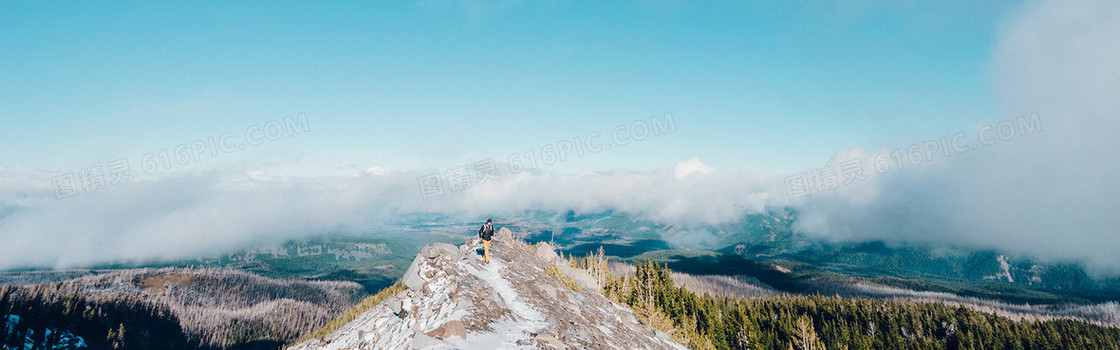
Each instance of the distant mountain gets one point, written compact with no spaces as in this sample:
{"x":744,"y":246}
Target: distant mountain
{"x":761,"y":245}
{"x":756,"y":242}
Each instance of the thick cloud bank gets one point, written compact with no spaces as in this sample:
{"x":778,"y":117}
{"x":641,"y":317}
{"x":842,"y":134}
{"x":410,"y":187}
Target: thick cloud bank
{"x":1052,"y":194}
{"x":189,"y":216}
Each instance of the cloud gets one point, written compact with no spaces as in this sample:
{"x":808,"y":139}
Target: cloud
{"x":685,"y":168}
{"x":1051,"y":195}
{"x":195,"y":215}
{"x":376,"y":171}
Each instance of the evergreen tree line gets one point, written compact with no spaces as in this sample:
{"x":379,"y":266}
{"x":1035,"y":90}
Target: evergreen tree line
{"x":27,"y":313}
{"x":822,"y":322}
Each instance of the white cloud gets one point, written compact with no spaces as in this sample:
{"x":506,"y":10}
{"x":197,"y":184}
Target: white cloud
{"x":1050,"y":195}
{"x":193,"y":215}
{"x":688,"y":167}
{"x":376,"y":171}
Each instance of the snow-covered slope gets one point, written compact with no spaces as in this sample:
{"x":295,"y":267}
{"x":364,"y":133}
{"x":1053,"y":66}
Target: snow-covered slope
{"x":454,"y":301}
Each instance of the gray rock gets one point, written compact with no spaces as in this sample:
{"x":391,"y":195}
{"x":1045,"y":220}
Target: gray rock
{"x":545,"y":252}
{"x":549,"y":290}
{"x":464,"y":304}
{"x":496,"y":298}
{"x":396,"y":306}
{"x":446,"y":249}
{"x":439,"y":249}
{"x":429,"y":252}
{"x":466,"y":249}
{"x":551,"y":341}
{"x":582,"y":277}
{"x":582,"y":299}
{"x":422,"y":340}
{"x":412,"y":278}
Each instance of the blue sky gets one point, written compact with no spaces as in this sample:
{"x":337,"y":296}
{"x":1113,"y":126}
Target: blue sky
{"x":766,"y":87}
{"x":757,"y":91}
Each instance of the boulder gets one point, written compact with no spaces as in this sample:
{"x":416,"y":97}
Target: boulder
{"x":439,"y":249}
{"x":412,"y":278}
{"x":582,"y":277}
{"x":446,"y":249}
{"x":464,"y":305}
{"x":465,"y":249}
{"x":504,"y":234}
{"x":450,"y":329}
{"x":551,"y":341}
{"x":421,"y":341}
{"x":396,"y":306}
{"x":548,"y":290}
{"x":545,"y":252}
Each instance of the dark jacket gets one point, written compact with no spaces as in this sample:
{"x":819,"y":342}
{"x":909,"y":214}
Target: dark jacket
{"x":486,"y":232}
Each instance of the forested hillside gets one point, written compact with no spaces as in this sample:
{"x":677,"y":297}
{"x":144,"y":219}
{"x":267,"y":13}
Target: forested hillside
{"x":170,"y":308}
{"x":822,"y":322}
{"x":45,"y":317}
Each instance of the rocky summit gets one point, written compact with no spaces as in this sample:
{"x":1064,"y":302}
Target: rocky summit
{"x":455,"y":301}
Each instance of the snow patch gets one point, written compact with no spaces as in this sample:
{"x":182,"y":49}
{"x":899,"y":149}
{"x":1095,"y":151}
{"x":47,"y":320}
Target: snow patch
{"x":1005,"y":270}
{"x":530,"y":319}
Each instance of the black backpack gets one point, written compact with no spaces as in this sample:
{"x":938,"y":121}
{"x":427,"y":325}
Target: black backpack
{"x":486,"y":232}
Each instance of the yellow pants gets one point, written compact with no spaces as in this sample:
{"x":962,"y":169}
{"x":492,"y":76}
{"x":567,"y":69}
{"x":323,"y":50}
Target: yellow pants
{"x":486,"y":251}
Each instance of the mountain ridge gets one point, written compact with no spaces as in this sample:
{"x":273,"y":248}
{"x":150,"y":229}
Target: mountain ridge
{"x":526,"y":298}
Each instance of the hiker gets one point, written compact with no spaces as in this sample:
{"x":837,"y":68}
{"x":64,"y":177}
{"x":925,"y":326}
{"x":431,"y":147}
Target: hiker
{"x":485,"y":233}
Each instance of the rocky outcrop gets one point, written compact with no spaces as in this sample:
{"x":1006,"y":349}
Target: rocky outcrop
{"x":455,"y":301}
